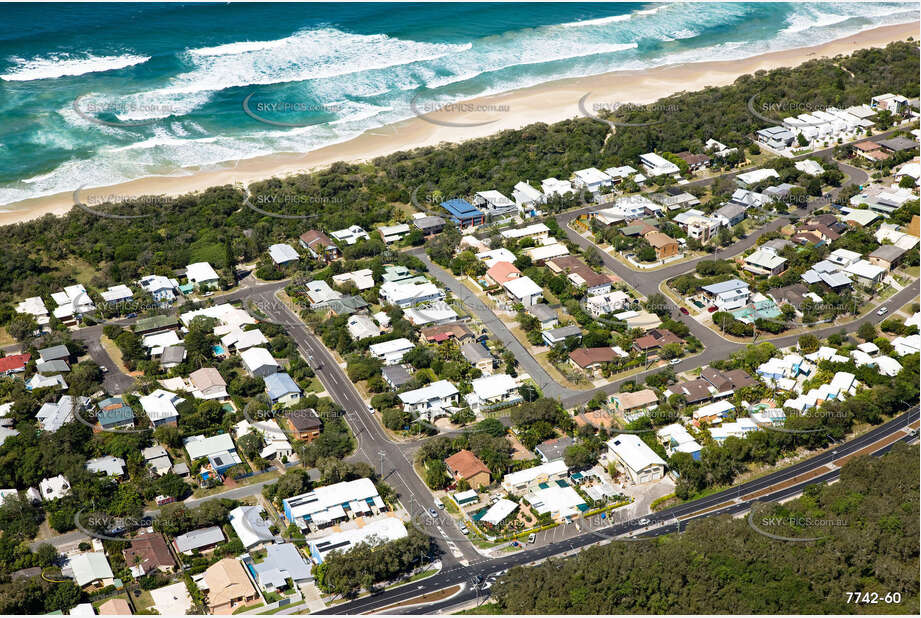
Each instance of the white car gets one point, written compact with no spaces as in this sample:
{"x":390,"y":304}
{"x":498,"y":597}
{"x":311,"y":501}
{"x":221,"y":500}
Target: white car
{"x":883,"y":311}
{"x":674,"y":361}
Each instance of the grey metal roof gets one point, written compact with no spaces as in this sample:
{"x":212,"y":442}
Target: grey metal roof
{"x":54,"y":352}
{"x":203,"y":537}
{"x":475,"y":352}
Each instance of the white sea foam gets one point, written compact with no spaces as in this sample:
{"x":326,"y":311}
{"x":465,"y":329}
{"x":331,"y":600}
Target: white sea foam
{"x":65,"y":65}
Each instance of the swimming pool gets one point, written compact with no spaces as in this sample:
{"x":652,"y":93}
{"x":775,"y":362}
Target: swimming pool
{"x":218,"y":349}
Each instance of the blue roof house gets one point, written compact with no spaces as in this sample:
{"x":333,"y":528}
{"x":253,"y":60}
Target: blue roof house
{"x":281,"y":388}
{"x":463,"y":213}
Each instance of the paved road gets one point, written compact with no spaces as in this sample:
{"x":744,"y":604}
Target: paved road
{"x":689,"y":510}
{"x":528,"y":363}
{"x":115,"y":381}
{"x":374,"y":447}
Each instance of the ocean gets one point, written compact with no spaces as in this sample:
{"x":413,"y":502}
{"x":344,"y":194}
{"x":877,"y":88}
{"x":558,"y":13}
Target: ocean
{"x":97,"y":94}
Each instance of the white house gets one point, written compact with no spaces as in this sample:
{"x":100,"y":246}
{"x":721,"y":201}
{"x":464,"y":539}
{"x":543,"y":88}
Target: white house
{"x":754,"y":177}
{"x":765,"y":261}
{"x":808,"y":166}
{"x":495,"y":203}
{"x":866,"y":273}
{"x":351,"y":235}
{"x":517,"y":482}
{"x":391,"y":352}
{"x":160,"y":288}
{"x":656,"y":165}
{"x":361,"y":327}
{"x":493,"y":391}
{"x":635,"y":458}
{"x":408,"y":294}
{"x":603,"y":304}
{"x":523,"y":290}
{"x":283,"y":254}
{"x":431,"y":401}
{"x":54,"y":487}
{"x":117,"y":294}
{"x":160,"y":407}
{"x":201,"y":275}
{"x":552,"y":186}
{"x":363,"y":279}
{"x":536,"y":231}
{"x":527,"y":198}
{"x":258,"y":362}
{"x":393,"y":233}
{"x":591,"y":179}
{"x":728,"y":295}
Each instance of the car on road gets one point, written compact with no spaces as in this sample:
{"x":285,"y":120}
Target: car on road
{"x":131,"y":315}
{"x":439,"y":503}
{"x":464,"y":529}
{"x":370,"y":409}
{"x":883,"y":311}
{"x":644,"y":521}
{"x":674,"y":361}
{"x":103,"y":369}
{"x":684,"y":311}
{"x":433,"y":512}
{"x":532,"y":537}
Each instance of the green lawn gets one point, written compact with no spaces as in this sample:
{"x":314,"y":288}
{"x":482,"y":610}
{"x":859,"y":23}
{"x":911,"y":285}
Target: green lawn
{"x":247,"y":608}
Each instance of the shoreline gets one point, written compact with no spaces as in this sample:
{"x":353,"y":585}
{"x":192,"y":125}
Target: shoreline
{"x":548,"y":103}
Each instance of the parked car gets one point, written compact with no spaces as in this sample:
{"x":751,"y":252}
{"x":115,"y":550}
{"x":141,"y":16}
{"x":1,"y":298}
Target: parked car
{"x":711,"y":309}
{"x":532,"y":537}
{"x":684,"y":311}
{"x":371,"y":409}
{"x":464,"y":529}
{"x":439,"y":503}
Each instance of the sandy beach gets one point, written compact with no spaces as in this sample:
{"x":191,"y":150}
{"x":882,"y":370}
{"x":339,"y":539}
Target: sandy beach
{"x":550,"y":102}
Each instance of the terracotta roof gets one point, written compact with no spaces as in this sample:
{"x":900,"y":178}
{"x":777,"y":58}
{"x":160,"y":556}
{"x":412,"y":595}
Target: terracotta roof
{"x":312,"y":237}
{"x":502,"y":272}
{"x":464,"y":464}
{"x":659,"y":239}
{"x":573,"y":265}
{"x":115,"y":607}
{"x":14,"y":362}
{"x":595,"y":418}
{"x":152,"y":551}
{"x":227,"y":581}
{"x":866,"y":146}
{"x":585,"y":357}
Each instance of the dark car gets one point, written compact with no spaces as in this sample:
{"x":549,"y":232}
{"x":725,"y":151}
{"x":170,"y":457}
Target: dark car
{"x":712,"y":309}
{"x":684,"y":311}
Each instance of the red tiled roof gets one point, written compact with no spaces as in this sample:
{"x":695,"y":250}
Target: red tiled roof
{"x":585,"y":357}
{"x":14,"y":362}
{"x":465,"y":464}
{"x":502,"y":272}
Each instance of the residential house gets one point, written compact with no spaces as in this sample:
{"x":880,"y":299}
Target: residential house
{"x":282,"y":562}
{"x":636,"y":403}
{"x":501,"y":273}
{"x":810,"y":167}
{"x":776,"y":137}
{"x":207,"y":382}
{"x":114,"y":413}
{"x":283,"y":254}
{"x":161,"y":289}
{"x":730,"y":214}
{"x":654,"y":340}
{"x":363,"y":279}
{"x":748,"y":199}
{"x":378,"y":531}
{"x":551,"y":250}
{"x":676,"y":439}
{"x":14,"y":363}
{"x":765,"y":261}
{"x":655,"y":165}
{"x":409,"y":294}
{"x":229,"y":587}
{"x":523,"y":290}
{"x":727,"y":295}
{"x":495,"y":204}
{"x":697,"y":225}
{"x":157,"y":459}
{"x":393,"y":233}
{"x":108,"y":465}
{"x":431,"y":401}
{"x":351,"y":234}
{"x":552,"y":186}
{"x":477,"y":355}
{"x":898,"y":144}
{"x":886,"y":256}
{"x":527,"y":198}
{"x":522,"y":480}
{"x":665,"y":245}
{"x":429,"y":225}
{"x":464,"y":465}
{"x":694,"y":161}
{"x":155,"y":324}
{"x":160,"y":407}
{"x":612,"y":302}
{"x":282,"y":389}
{"x":755,"y":177}
{"x":391,"y":352}
{"x":251,"y":528}
{"x":397,"y":375}
{"x":304,"y":424}
{"x":591,"y":179}
{"x":172,"y":356}
{"x":635,"y":458}
{"x":201,"y":540}
{"x":362,"y":327}
{"x":545,"y":314}
{"x":894,"y":103}
{"x":580,"y":274}
{"x":202,"y":276}
{"x":492,"y":392}
{"x":319,"y":245}
{"x":52,"y":416}
{"x":149,"y":552}
{"x":553,"y":449}
{"x":726,"y":383}
{"x":559,"y":335}
{"x":259,"y":362}
{"x":54,"y":488}
{"x":117,"y":294}
{"x":463,"y":213}
{"x":113,"y":607}
{"x":219,"y":450}
{"x":91,"y":569}
{"x":591,"y":360}
{"x":866,"y":272}
{"x":57,"y":352}
{"x":494,"y":256}
{"x":445,"y":332}
{"x":693,"y":391}
{"x":843,"y":258}
{"x":328,"y":504}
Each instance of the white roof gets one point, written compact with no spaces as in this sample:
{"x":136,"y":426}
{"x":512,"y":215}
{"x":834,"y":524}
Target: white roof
{"x":391,"y":347}
{"x":426,"y":315}
{"x":112,"y":466}
{"x":499,"y":511}
{"x":200,"y":446}
{"x":393,"y":230}
{"x":757,"y":176}
{"x":888,"y":365}
{"x":330,"y":496}
{"x":117,"y":292}
{"x":249,"y":525}
{"x":223,"y":313}
{"x":556,"y":467}
{"x":363,"y":279}
{"x":592,"y":175}
{"x":244,"y":339}
{"x":522,"y":287}
{"x":155,"y":283}
{"x":858,"y":215}
{"x":158,"y":341}
{"x":320,"y":292}
{"x":34,"y":306}
{"x":555,"y":186}
{"x":718,"y":408}
{"x":82,"y":609}
{"x":809,"y":167}
{"x":496,"y":255}
{"x":492,"y":386}
{"x":172,"y":600}
{"x":253,"y":358}
{"x":362,"y":327}
{"x":282,"y":253}
{"x":89,"y":567}
{"x":547,"y":252}
{"x":865,"y":269}
{"x":442,"y":389}
{"x":653,"y":160}
{"x":386,"y":529}
{"x":160,"y":405}
{"x":765,"y":258}
{"x":200,"y":272}
{"x":635,"y":454}
{"x":54,"y":487}
{"x":536,"y":228}
{"x":555,"y":499}
{"x":528,"y":192}
{"x":620,"y":172}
